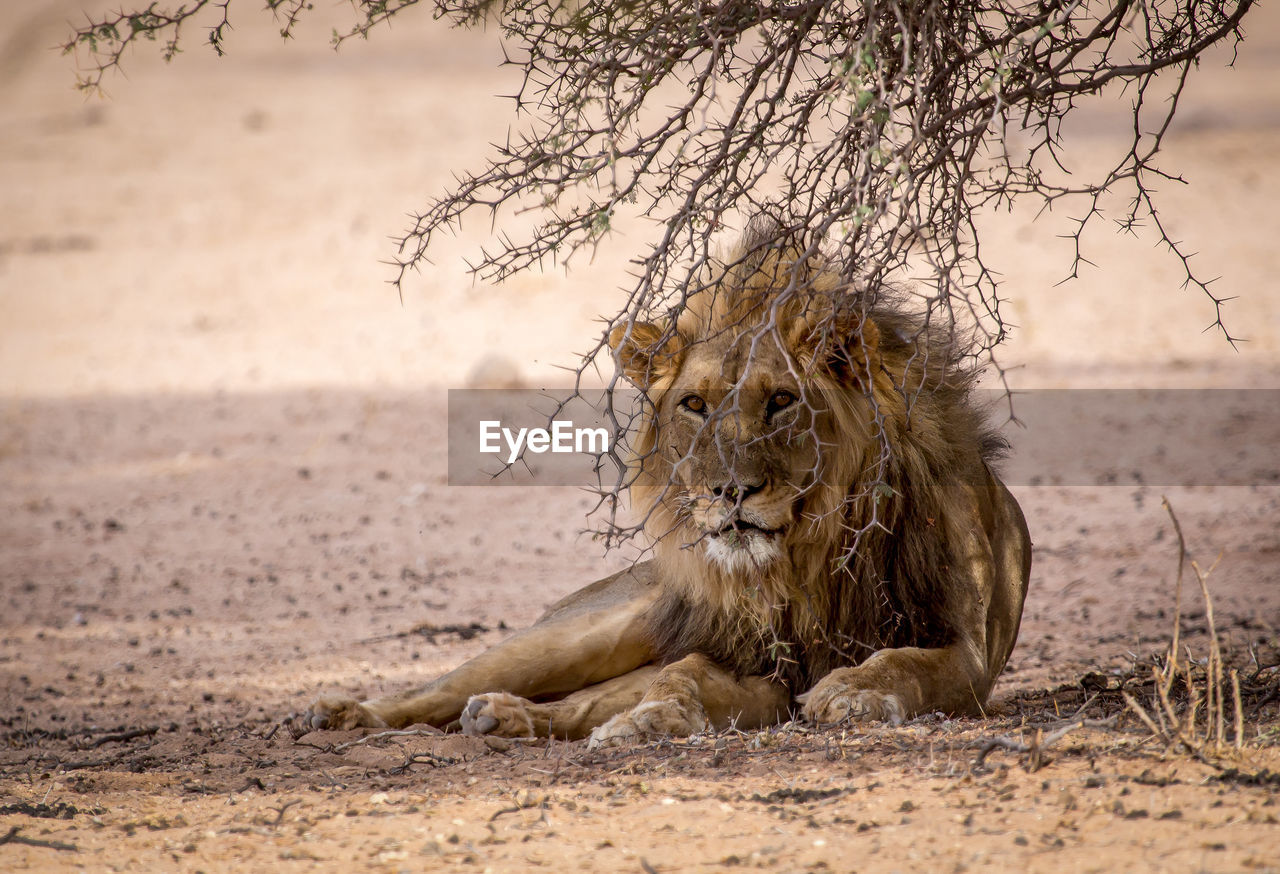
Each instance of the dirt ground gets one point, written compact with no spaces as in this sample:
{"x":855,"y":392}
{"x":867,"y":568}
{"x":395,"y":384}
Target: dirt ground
{"x":223,"y":490}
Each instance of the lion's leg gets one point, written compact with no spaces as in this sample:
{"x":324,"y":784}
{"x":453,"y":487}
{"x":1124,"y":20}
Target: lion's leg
{"x":897,"y":684}
{"x":692,"y":694}
{"x":572,"y":717}
{"x":596,"y":634}
{"x":1011,"y":559}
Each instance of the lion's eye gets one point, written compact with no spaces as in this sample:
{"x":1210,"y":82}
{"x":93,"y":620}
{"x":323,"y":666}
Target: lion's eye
{"x":781,"y":400}
{"x":693,"y":404}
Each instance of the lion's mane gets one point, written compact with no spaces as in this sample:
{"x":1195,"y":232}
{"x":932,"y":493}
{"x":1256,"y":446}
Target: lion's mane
{"x":873,"y":561}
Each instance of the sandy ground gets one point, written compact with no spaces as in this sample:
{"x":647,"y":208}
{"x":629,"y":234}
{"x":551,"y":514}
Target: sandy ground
{"x":223,"y":489}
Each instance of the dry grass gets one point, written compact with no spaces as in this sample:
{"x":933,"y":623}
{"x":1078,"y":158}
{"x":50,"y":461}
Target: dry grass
{"x":1199,"y":726}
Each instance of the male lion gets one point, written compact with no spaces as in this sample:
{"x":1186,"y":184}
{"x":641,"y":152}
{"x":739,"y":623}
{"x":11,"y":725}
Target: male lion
{"x":827,"y":531}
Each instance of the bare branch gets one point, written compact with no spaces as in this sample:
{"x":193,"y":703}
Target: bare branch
{"x":876,"y":132}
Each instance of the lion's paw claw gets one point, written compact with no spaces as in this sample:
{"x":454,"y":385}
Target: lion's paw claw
{"x":650,"y":719}
{"x":838,"y":702}
{"x":499,"y":714}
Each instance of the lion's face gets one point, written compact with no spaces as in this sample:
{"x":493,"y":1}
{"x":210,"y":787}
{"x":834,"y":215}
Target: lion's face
{"x":736,"y":440}
{"x":743,"y":454}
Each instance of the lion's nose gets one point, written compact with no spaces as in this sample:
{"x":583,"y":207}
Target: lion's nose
{"x":736,"y":491}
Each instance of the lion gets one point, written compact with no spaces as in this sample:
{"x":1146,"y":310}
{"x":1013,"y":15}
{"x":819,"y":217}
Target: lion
{"x":828,"y":533}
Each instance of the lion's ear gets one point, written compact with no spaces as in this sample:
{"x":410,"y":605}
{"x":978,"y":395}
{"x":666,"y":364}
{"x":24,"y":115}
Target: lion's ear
{"x":843,"y":340}
{"x":645,"y":352}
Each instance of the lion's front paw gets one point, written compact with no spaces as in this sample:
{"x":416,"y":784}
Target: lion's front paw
{"x":835,"y":700}
{"x":498,"y":713}
{"x":648,"y":719}
{"x":339,"y":714}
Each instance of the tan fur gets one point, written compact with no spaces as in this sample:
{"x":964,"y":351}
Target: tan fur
{"x":827,"y":532}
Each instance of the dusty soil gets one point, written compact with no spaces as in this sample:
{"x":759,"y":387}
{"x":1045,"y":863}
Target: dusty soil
{"x":223,"y":490}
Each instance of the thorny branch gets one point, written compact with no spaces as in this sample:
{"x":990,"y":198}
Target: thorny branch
{"x":878,"y":132}
{"x":882,"y":127}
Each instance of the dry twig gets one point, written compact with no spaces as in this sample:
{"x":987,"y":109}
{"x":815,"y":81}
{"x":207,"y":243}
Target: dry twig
{"x":123,"y":736}
{"x":1039,"y":743}
{"x":428,"y":731}
{"x":14,"y":838}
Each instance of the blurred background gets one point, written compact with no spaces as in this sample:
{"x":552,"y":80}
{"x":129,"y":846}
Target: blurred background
{"x":219,"y":223}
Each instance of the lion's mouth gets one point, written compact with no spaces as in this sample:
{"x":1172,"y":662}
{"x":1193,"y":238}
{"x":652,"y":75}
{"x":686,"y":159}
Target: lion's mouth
{"x":741,"y":526}
{"x":740,"y":546}
{"x":740,"y":529}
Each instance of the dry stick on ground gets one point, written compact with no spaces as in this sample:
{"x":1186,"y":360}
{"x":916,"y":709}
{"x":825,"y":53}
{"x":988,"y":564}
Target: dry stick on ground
{"x":408,"y":732}
{"x":81,"y":764}
{"x":503,"y":812}
{"x":123,"y":736}
{"x":283,"y":809}
{"x":1213,"y":679}
{"x":14,"y":838}
{"x":431,"y":759}
{"x":1235,"y":689}
{"x":1039,"y":743}
{"x":1171,"y":666}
